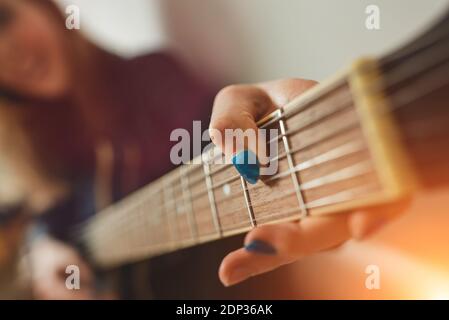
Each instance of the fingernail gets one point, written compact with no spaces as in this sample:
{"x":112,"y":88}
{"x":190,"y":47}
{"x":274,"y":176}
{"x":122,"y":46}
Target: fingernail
{"x":247,"y":165}
{"x":259,"y":246}
{"x":238,"y":275}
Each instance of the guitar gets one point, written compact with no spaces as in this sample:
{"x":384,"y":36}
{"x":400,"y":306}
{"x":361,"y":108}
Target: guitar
{"x":374,"y":134}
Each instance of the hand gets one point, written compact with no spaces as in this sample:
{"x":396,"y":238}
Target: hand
{"x":50,"y":259}
{"x":271,"y":246}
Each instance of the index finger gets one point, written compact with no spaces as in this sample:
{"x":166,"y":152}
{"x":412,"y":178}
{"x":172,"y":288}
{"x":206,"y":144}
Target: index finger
{"x":241,"y":107}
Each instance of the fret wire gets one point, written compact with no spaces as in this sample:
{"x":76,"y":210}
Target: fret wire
{"x":145,"y":227}
{"x":249,"y":207}
{"x":295,"y":179}
{"x":188,"y":204}
{"x":213,"y":204}
{"x":171,"y":226}
{"x":138,"y":226}
{"x":149,"y":216}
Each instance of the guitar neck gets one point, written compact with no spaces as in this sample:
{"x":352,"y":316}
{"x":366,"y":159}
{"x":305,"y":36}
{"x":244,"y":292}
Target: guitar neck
{"x":348,"y":143}
{"x":417,"y":88}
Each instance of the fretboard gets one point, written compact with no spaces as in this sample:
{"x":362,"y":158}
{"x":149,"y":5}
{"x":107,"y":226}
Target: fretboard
{"x":338,"y":149}
{"x":324,"y":166}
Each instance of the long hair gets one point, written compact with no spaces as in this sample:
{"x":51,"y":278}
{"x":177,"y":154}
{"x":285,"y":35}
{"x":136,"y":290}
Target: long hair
{"x":73,"y":37}
{"x":44,"y":140}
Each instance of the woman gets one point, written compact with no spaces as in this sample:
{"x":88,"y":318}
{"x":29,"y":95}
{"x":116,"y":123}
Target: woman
{"x":84,"y":108}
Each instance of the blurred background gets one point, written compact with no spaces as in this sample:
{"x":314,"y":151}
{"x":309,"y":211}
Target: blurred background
{"x":234,"y":41}
{"x":247,"y":41}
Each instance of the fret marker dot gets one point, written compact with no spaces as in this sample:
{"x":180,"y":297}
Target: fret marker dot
{"x":227,"y":189}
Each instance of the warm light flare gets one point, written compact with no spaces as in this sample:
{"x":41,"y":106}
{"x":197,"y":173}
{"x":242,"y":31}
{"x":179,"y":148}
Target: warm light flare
{"x":440,"y":295}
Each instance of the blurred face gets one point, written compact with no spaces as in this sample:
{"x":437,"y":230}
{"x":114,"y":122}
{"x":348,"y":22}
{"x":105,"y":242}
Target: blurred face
{"x":33,"y":51}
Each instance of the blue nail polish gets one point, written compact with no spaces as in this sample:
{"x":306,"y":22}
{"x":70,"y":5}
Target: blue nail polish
{"x":247,"y":165}
{"x":259,"y":246}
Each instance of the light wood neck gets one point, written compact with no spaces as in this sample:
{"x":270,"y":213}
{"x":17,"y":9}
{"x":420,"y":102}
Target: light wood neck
{"x":338,"y":150}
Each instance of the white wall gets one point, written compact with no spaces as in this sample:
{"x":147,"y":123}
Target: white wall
{"x":127,"y":27}
{"x":252,"y":40}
